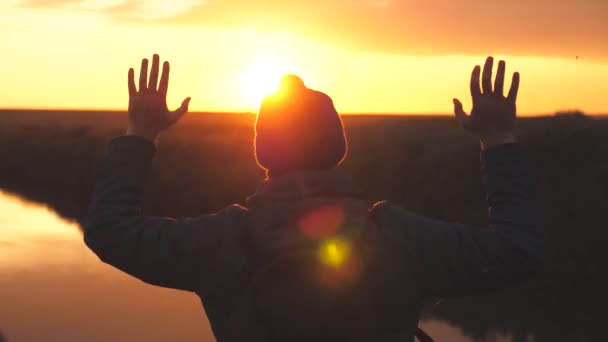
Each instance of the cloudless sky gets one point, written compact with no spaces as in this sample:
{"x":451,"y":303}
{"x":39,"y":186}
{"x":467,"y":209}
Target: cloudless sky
{"x":409,"y":56}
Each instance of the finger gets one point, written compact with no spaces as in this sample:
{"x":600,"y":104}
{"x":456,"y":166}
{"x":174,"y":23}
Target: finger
{"x":475,"y":88}
{"x":143,"y":76}
{"x":153,"y":83}
{"x":458,"y":111}
{"x":164,"y":80}
{"x":183,"y":109}
{"x":461,"y":116}
{"x":499,"y":83}
{"x":486,"y":77}
{"x":131,"y":82}
{"x":512,"y":98}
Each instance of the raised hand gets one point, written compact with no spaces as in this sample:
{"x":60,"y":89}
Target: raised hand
{"x":148,"y":112}
{"x":493,"y":114}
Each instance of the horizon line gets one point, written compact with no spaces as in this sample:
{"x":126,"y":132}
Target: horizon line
{"x":236,"y":112}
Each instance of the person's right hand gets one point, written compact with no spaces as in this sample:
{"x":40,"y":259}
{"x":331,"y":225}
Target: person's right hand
{"x":148,"y":112}
{"x":493,"y":114}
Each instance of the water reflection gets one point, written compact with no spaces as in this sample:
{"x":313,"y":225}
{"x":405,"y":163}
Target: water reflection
{"x":32,"y":237}
{"x":52,"y":288}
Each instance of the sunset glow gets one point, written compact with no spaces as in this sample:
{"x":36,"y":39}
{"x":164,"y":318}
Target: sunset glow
{"x":262,"y":79}
{"x":376,"y":57}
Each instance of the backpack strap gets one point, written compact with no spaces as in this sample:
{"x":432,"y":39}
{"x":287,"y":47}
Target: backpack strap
{"x":422,"y":336}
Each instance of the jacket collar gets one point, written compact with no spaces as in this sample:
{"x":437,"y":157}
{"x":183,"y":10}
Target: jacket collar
{"x":300,"y":185}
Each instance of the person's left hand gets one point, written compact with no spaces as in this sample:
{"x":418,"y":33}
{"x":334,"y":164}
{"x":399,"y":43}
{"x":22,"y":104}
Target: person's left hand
{"x":493,"y":115}
{"x":148,"y":112}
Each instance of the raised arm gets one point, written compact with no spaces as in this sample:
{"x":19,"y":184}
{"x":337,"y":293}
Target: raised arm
{"x":456,"y":259}
{"x":160,"y":251}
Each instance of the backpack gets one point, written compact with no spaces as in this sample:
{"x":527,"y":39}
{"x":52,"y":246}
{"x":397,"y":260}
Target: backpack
{"x":344,"y":286}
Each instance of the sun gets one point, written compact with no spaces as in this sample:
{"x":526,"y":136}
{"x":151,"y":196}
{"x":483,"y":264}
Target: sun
{"x":261,"y":79}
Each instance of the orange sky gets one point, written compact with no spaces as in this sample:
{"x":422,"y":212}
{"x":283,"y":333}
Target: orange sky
{"x":369,"y":55}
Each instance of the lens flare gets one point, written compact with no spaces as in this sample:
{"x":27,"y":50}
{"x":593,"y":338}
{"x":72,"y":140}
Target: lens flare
{"x":334,"y":252}
{"x":322,"y":222}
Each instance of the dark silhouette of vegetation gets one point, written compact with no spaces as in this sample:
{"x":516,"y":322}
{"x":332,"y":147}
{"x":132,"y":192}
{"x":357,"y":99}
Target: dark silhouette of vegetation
{"x":413,"y":161}
{"x":572,"y":113}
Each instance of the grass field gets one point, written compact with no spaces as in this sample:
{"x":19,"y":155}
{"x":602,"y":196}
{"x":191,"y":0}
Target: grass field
{"x":426,"y":164}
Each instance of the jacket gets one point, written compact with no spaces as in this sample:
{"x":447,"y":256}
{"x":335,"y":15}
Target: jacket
{"x":205,"y":254}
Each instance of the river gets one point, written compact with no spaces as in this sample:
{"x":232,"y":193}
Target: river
{"x":52,"y":288}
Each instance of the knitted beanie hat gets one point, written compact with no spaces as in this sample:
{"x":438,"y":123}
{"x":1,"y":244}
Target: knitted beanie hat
{"x":298,"y":128}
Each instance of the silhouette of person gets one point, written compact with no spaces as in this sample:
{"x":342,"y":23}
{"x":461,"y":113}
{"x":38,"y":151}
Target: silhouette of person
{"x":307,"y":257}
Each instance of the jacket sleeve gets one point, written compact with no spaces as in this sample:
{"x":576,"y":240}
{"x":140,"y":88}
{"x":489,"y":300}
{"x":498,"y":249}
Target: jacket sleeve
{"x":160,"y":251}
{"x":455,"y":259}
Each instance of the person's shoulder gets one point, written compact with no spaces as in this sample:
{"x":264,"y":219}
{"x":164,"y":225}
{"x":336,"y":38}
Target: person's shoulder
{"x":235,"y":214}
{"x":396,"y":224}
{"x":384,"y":208}
{"x":387,"y":214}
{"x":235,"y":209}
{"x":230,"y":218}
